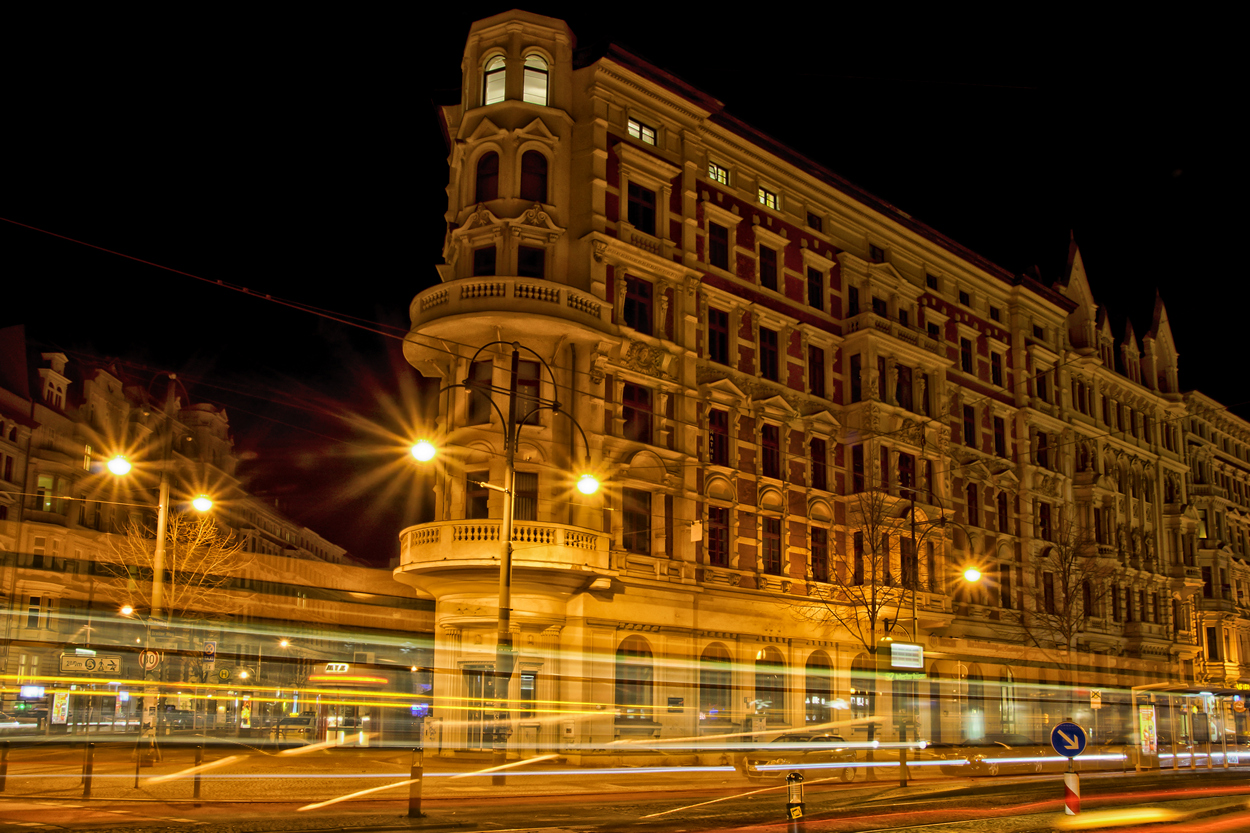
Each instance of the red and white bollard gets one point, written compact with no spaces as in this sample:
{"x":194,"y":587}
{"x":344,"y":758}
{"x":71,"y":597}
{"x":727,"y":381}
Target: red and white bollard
{"x":1071,"y":793}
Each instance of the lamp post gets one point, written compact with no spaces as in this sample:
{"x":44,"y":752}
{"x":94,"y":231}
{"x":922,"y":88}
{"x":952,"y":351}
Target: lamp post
{"x":424,"y":451}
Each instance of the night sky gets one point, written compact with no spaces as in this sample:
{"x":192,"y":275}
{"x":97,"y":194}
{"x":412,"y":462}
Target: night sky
{"x":302,"y":159}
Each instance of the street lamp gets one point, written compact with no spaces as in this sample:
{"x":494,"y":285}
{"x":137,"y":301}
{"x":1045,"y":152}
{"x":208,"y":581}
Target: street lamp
{"x":424,"y":451}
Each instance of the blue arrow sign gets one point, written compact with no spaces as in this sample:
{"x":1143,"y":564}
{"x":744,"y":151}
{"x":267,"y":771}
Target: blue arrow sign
{"x":1068,"y":739}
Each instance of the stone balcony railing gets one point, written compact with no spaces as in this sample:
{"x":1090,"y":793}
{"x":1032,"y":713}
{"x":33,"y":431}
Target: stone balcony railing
{"x":870,"y":320}
{"x":468,"y":542}
{"x":513,"y":296}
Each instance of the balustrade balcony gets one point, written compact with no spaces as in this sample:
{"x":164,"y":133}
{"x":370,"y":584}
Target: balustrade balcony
{"x":511,"y":296}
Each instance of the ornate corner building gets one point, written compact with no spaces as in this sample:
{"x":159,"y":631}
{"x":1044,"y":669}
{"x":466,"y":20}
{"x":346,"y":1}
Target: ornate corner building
{"x":813,"y":413}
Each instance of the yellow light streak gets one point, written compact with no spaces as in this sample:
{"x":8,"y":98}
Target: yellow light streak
{"x":740,"y":795}
{"x":174,"y":776}
{"x":512,"y":765}
{"x":325,"y":744}
{"x":1116,"y":818}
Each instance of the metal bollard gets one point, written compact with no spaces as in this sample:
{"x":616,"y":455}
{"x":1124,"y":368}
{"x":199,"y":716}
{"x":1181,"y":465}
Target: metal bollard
{"x":88,"y":765}
{"x":414,"y":786}
{"x":4,"y":764}
{"x":199,"y":760}
{"x":794,"y":799}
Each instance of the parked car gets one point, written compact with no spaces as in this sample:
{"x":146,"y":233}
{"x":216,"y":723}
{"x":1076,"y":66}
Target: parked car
{"x":995,"y":754}
{"x":302,"y":727}
{"x":815,"y":754}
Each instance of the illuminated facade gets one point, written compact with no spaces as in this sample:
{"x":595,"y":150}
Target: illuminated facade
{"x":753,"y":345}
{"x":60,"y":508}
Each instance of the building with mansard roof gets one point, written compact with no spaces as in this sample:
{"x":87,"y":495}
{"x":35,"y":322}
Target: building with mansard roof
{"x":813,"y":414}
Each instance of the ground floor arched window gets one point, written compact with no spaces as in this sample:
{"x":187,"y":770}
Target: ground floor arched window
{"x":863,"y":686}
{"x":770,"y":684}
{"x":715,"y":685}
{"x":818,"y":698}
{"x":634,"y":678}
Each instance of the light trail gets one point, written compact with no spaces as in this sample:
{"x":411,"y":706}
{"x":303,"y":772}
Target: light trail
{"x":501,"y":767}
{"x":733,"y":797}
{"x":173,"y":776}
{"x":325,"y":744}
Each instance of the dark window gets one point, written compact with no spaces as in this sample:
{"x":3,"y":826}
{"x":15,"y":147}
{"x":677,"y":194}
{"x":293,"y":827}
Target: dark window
{"x":1115,"y":602}
{"x":1004,"y":520}
{"x":965,"y":355}
{"x":772,"y":546}
{"x":638,"y":304}
{"x":924,"y":397}
{"x":1208,"y":590}
{"x":970,"y":426}
{"x":718,"y":536}
{"x":934,"y":331}
{"x":642,"y":208}
{"x":484,"y":261}
{"x":718,"y":438}
{"x":820,"y":554}
{"x":1048,"y":592}
{"x":718,"y":335}
{"x":852,"y":301}
{"x":814,"y":222}
{"x":527,"y":389}
{"x":903,"y":389}
{"x":903,"y":318}
{"x":1043,"y":517}
{"x":857,"y":385}
{"x":768,"y":268}
{"x":857,"y":564}
{"x":965,"y":299}
{"x":636,"y":520}
{"x":770,"y":440}
{"x":487,"y":185}
{"x":996,"y":314}
{"x":636,"y":413}
{"x":876,"y":254}
{"x":857,"y":469}
{"x":479,"y":393}
{"x":525,"y":496}
{"x":768,"y":354}
{"x":476,"y":496}
{"x":996,"y":368}
{"x":885,"y":468}
{"x":1043,"y":387}
{"x":531,"y":262}
{"x":1043,"y":449}
{"x":906,"y":474}
{"x":931,"y":281}
{"x":1038,"y":332}
{"x":1000,"y":437}
{"x":974,"y":505}
{"x":880,"y":307}
{"x":816,"y":371}
{"x":1087,"y":598}
{"x":1004,"y":586}
{"x":1213,"y":645}
{"x":907,"y":561}
{"x":718,"y":246}
{"x":533,"y":176}
{"x":815,"y":289}
{"x":819,"y":455}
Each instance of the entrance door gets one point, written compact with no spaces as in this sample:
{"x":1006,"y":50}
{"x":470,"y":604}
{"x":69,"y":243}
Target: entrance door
{"x":479,"y":701}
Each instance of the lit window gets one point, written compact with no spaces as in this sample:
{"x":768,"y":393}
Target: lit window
{"x":494,"y":81}
{"x":642,"y":132}
{"x":716,"y":172}
{"x":767,"y":198}
{"x":535,"y":91}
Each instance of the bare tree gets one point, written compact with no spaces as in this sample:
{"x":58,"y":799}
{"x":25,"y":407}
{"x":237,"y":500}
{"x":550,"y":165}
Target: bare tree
{"x":1069,"y":587}
{"x":200,"y":559}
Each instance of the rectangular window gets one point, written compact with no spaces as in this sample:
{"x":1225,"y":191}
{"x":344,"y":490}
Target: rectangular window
{"x":970,"y":426}
{"x":933,"y":330}
{"x":717,"y":174}
{"x":965,"y":299}
{"x":642,"y":132}
{"x":996,"y":314}
{"x":906,"y":474}
{"x":819,"y":456}
{"x":814,"y":223}
{"x":852,"y":301}
{"x":816,"y":371}
{"x":525,"y":496}
{"x":880,"y":307}
{"x":718,"y":438}
{"x":876,"y":254}
{"x":636,"y":520}
{"x":638,"y":304}
{"x":484,"y":261}
{"x":642,"y":208}
{"x":907,"y":561}
{"x":770,"y":440}
{"x":636,"y":413}
{"x":768,"y":268}
{"x":1043,"y":449}
{"x":1042,"y":385}
{"x":33,"y":612}
{"x":1004,"y":586}
{"x":527,"y":390}
{"x":965,"y":355}
{"x":718,"y":245}
{"x":476,"y":496}
{"x":1115,"y":603}
{"x":931,"y":281}
{"x":885,"y":468}
{"x":1213,"y":645}
{"x":857,"y":574}
{"x":1043,"y":520}
{"x":768,"y":354}
{"x":1038,"y":332}
{"x":1004,"y":516}
{"x":1048,"y":592}
{"x":857,"y":469}
{"x":718,"y":536}
{"x":531,"y":262}
{"x":903,"y":389}
{"x":1208,"y":589}
{"x":996,"y":368}
{"x":857,"y":385}
{"x":718,"y":335}
{"x":772,"y":546}
{"x":1000,"y":437}
{"x":820,"y":554}
{"x":767,"y":198}
{"x":815,"y":289}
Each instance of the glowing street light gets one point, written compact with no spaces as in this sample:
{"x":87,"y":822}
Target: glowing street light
{"x":423,"y":451}
{"x":119,"y":465}
{"x":127,"y":610}
{"x":202,"y":503}
{"x":972,"y":574}
{"x":588,"y":484}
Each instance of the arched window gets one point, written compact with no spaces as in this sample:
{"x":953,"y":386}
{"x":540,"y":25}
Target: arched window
{"x":633,"y":680}
{"x":715,"y":685}
{"x":494,"y":80}
{"x":770,"y":683}
{"x":819,"y":694}
{"x":533,"y":176}
{"x":863,"y":687}
{"x":487,"y":177}
{"x":535,"y":91}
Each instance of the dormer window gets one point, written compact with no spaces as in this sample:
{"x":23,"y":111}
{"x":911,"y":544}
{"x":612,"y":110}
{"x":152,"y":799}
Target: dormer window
{"x":641,"y":132}
{"x":494,"y":80}
{"x":535,"y":89}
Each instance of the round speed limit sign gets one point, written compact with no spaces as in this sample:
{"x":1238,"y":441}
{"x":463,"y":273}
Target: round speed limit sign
{"x":149,"y":659}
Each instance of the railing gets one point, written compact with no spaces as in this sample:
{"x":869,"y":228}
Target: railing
{"x":476,"y":540}
{"x":910,"y":335}
{"x":515,"y":295}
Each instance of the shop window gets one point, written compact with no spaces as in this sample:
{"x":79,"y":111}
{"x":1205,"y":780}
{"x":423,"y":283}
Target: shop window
{"x":818,"y":697}
{"x":770,"y":684}
{"x":715,"y":685}
{"x":634,"y":677}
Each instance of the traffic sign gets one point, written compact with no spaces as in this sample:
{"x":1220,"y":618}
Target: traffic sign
{"x":149,"y":659}
{"x":1068,"y":739}
{"x":1095,"y":698}
{"x":107,"y":664}
{"x":210,"y":650}
{"x":223,"y":674}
